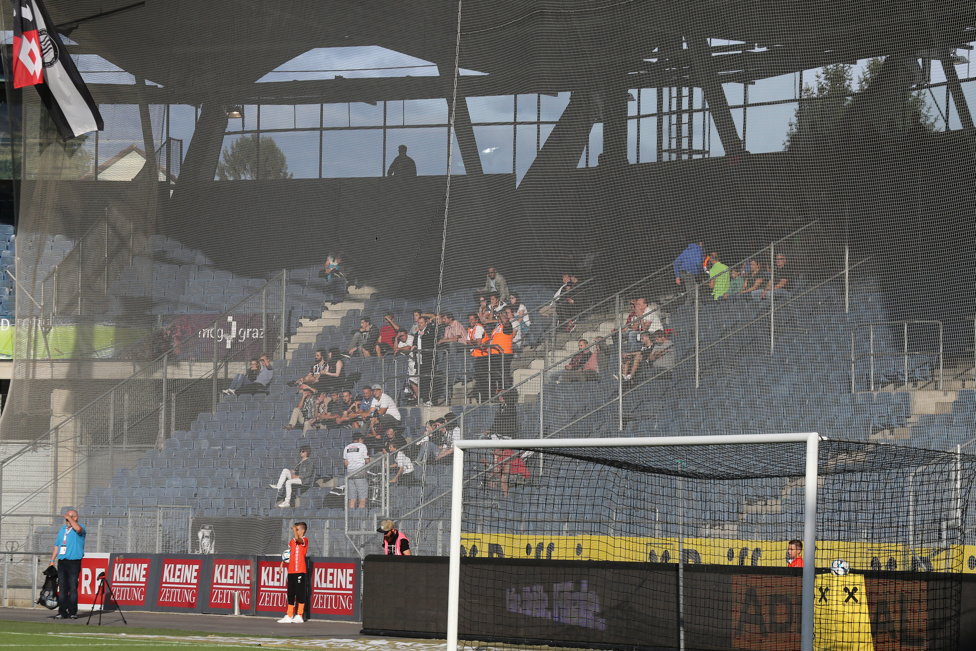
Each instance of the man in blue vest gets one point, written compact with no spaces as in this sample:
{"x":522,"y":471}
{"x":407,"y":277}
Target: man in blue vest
{"x":69,"y":548}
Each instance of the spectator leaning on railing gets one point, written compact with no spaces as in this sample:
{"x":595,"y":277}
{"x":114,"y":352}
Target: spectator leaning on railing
{"x":687,"y":267}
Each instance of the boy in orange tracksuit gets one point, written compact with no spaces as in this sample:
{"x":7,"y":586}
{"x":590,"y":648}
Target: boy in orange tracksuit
{"x":297,"y":577}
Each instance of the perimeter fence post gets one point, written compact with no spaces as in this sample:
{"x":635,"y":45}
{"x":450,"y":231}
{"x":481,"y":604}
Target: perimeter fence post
{"x":772,"y":293}
{"x":620,"y":365}
{"x":284,"y":312}
{"x":694,"y":288}
{"x":847,"y":279}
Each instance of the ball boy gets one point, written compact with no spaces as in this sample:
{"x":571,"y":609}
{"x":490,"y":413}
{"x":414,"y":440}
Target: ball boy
{"x":297,"y":577}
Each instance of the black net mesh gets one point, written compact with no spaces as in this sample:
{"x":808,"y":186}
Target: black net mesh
{"x":707,"y":218}
{"x":615,"y":524}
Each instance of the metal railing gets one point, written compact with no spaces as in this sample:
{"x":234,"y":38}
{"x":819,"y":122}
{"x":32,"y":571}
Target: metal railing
{"x":142,"y":409}
{"x":905,"y":353}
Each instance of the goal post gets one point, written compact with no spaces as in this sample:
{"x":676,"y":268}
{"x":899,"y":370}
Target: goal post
{"x":810,"y":439}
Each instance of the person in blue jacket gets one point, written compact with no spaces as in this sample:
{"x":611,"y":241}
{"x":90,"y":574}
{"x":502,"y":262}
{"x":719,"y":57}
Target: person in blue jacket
{"x":69,"y":549}
{"x":687,"y":267}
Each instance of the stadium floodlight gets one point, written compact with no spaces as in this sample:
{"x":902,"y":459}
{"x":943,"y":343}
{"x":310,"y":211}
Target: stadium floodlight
{"x":590,"y":451}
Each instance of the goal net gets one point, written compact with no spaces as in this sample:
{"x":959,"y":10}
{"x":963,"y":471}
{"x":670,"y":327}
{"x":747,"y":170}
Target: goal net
{"x":683,"y":543}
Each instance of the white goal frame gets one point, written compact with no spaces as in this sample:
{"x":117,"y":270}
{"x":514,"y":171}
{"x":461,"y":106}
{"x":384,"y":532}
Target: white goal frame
{"x":812,"y":440}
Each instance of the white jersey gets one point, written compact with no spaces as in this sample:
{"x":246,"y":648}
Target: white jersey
{"x":355,"y":455}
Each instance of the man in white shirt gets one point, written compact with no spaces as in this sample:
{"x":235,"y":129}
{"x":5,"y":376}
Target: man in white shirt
{"x":385,"y":411}
{"x":403,"y":465}
{"x":354,"y":457}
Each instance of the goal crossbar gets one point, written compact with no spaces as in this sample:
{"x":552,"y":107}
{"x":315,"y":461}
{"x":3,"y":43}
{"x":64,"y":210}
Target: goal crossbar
{"x":811,"y":439}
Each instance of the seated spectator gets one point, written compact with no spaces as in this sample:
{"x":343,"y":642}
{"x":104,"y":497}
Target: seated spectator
{"x":452,"y":332}
{"x":429,"y":447}
{"x":388,"y":335}
{"x":505,"y":423}
{"x":494,"y":282}
{"x":485,"y":314}
{"x":385,"y":413}
{"x":364,"y":340}
{"x":631,"y":361}
{"x":754,"y":278}
{"x":301,"y":475}
{"x":263,"y":379}
{"x":508,"y":469}
{"x":331,"y":375}
{"x":582,"y":367}
{"x":735,"y":282}
{"x":304,"y":412}
{"x":450,"y":431}
{"x":314,"y":372}
{"x":642,"y":318}
{"x":780,"y":276}
{"x":403,"y":465}
{"x":663,"y":355}
{"x":404,"y":346}
{"x":475,"y":334}
{"x":496,"y":304}
{"x":349,"y":416}
{"x":242,"y":379}
{"x":718,"y":275}
{"x":335,"y":280}
{"x":391,"y":435}
{"x":326,"y":412}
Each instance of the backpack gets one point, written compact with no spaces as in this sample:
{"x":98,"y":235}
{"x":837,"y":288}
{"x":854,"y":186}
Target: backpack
{"x":49,"y":591}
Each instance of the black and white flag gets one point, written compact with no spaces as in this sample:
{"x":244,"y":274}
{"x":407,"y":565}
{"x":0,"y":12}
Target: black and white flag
{"x":41,"y":59}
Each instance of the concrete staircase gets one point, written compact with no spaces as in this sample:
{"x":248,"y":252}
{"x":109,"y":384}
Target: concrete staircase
{"x":309,"y":329}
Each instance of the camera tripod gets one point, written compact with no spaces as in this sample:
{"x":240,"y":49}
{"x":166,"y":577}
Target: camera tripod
{"x":104,"y":587}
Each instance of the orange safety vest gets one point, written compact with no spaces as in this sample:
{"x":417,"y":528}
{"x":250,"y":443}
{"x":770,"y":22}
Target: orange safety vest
{"x":395,"y":551}
{"x":499,"y":339}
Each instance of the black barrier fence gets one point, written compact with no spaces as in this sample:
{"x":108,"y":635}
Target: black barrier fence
{"x":208,"y":584}
{"x":627,"y":605}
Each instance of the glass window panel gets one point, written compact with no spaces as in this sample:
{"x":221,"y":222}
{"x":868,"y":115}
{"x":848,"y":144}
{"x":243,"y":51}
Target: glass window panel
{"x":250,"y":116}
{"x":120,"y":145}
{"x":632,"y":104}
{"x":553,"y":107}
{"x":394,"y":112}
{"x":457,"y":162}
{"x":648,"y":101}
{"x":544,"y":131}
{"x":182,"y":120}
{"x":427,"y":148}
{"x":631,"y":141}
{"x":494,"y":108}
{"x":773,"y":88}
{"x":582,"y":160}
{"x":495,"y":148}
{"x":596,"y":143}
{"x":733,"y":93}
{"x":425,"y":111}
{"x":527,"y":107}
{"x":365,"y":115}
{"x":768,"y":126}
{"x":335,"y":115}
{"x":525,"y":149}
{"x":648,"y":140}
{"x":356,"y":153}
{"x":307,"y":116}
{"x":277,"y":116}
{"x":299,"y":153}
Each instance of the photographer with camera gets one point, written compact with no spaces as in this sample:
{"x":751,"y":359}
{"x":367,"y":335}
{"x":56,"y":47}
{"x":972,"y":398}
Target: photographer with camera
{"x":69,"y":549}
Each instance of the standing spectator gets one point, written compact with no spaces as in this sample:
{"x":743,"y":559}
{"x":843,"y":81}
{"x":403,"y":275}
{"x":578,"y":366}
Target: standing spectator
{"x":795,"y":553}
{"x":583,"y":366}
{"x":520,"y":320}
{"x":452,"y":331}
{"x":355,"y":457}
{"x":394,"y":542}
{"x":687,"y":267}
{"x":566,"y":301}
{"x":416,"y":318}
{"x":403,"y":465}
{"x":297,"y":574}
{"x":718,"y":274}
{"x":404,"y":346}
{"x":365,"y":338}
{"x":424,"y":343}
{"x":263,"y":379}
{"x":69,"y":549}
{"x":447,"y":433}
{"x":388,"y":334}
{"x":495,"y":282}
{"x":403,"y":167}
{"x":505,"y":423}
{"x":492,"y":361}
{"x":243,"y":379}
{"x":301,"y":475}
